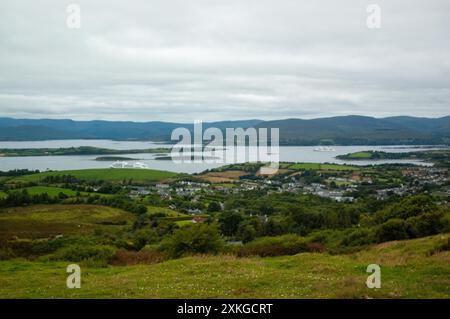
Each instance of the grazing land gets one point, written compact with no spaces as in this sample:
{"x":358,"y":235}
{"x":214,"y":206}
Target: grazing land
{"x":108,"y":174}
{"x":47,"y":221}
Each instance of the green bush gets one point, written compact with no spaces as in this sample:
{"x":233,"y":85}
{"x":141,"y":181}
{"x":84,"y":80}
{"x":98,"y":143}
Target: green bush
{"x":143,"y":237}
{"x":359,"y":237}
{"x":31,"y":248}
{"x":425,"y":225}
{"x":76,"y":253}
{"x":196,"y":239}
{"x":326,"y":237}
{"x":446,"y":223}
{"x":408,"y":207}
{"x":393,"y":229}
{"x":289,"y":244}
{"x":6,"y":254}
{"x":246,"y":232}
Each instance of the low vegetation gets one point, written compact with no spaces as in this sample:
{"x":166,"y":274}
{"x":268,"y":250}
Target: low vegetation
{"x":410,"y":269}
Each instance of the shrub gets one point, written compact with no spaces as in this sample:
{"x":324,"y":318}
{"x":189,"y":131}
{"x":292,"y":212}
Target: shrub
{"x":277,"y":246}
{"x":446,"y":223}
{"x":246,"y":232}
{"x":143,"y":237}
{"x":126,"y":257}
{"x":359,"y":237}
{"x":76,"y":253}
{"x":214,"y":207}
{"x":229,"y":223}
{"x":325,"y":237}
{"x":425,"y":225}
{"x":407,"y":207}
{"x":29,"y":248}
{"x":6,"y":254}
{"x":393,"y":229}
{"x":200,"y":239}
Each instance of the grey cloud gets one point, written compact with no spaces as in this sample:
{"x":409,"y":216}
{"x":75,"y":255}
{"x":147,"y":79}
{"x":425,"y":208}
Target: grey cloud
{"x":179,"y":60}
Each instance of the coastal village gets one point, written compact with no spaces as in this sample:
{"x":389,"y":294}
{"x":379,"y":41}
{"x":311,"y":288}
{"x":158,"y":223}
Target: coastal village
{"x":339,"y":185}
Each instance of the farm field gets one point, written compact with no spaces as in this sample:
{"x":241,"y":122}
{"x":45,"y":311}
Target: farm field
{"x":223,"y":177}
{"x":410,"y":269}
{"x":108,"y":174}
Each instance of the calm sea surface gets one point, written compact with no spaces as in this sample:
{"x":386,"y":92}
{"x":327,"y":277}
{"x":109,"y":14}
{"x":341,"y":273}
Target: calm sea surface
{"x":287,"y":154}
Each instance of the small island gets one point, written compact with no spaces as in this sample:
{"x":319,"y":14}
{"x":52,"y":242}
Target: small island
{"x":115,"y":158}
{"x":82,"y":150}
{"x":438,"y":157}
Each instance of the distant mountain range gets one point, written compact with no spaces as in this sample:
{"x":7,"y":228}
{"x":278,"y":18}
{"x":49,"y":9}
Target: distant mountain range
{"x":341,"y":130}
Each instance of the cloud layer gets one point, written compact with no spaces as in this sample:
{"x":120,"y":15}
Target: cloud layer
{"x":178,"y":60}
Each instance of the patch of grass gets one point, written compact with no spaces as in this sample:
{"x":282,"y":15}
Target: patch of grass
{"x":306,"y":275}
{"x":182,"y":223}
{"x":107,"y":174}
{"x":51,"y":191}
{"x":43,"y":221}
{"x":165,"y":210}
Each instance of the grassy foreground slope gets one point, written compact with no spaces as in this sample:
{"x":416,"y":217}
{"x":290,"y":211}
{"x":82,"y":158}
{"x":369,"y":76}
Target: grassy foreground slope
{"x":107,"y":174}
{"x":409,"y":269}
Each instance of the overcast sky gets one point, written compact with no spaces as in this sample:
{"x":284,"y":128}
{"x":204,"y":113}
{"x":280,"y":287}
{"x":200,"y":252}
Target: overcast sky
{"x":179,"y":60}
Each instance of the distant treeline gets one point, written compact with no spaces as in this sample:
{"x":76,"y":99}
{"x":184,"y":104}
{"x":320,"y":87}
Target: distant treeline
{"x":19,"y":172}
